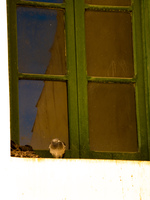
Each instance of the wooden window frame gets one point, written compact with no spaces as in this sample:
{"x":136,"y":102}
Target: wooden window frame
{"x":70,"y":78}
{"x":83,"y":79}
{"x":77,"y":78}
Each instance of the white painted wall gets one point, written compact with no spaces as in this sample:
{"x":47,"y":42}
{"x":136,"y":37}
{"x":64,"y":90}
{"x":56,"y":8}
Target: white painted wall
{"x":39,"y":179}
{"x":46,"y":179}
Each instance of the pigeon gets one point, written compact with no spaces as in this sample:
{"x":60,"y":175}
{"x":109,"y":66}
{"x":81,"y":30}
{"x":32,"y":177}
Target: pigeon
{"x":57,"y":148}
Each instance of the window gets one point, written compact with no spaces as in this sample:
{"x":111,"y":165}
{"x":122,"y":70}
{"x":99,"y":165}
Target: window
{"x":76,"y":73}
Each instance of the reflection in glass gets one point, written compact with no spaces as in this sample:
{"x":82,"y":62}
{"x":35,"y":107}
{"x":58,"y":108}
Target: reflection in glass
{"x":109,"y":2}
{"x":109,"y":44}
{"x":112,"y":117}
{"x":48,"y":1}
{"x":43,"y":113}
{"x":41,"y":41}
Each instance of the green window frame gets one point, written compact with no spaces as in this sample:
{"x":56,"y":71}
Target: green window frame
{"x":77,"y":78}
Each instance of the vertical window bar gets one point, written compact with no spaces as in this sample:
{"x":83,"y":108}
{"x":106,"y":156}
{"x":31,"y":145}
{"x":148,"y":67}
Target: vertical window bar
{"x":140,"y":85}
{"x":82,"y":79}
{"x":72,"y":82}
{"x":13,"y":70}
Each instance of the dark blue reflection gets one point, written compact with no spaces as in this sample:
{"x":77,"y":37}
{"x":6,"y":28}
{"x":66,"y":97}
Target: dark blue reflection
{"x":36,"y":29}
{"x":49,"y":1}
{"x":29,"y":93}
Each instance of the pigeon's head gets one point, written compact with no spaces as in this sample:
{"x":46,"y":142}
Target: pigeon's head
{"x":56,"y":143}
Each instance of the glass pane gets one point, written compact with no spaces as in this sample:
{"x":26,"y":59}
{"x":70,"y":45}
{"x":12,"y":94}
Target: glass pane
{"x":112,"y":117}
{"x":109,"y":2}
{"x":41,"y":41}
{"x":48,"y":1}
{"x":109,"y":44}
{"x":43,"y":113}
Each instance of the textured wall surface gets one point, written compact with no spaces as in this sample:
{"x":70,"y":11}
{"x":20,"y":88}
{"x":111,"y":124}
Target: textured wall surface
{"x":39,"y":179}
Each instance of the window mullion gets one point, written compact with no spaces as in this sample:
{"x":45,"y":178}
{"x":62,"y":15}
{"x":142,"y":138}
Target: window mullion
{"x":82,"y":78}
{"x":72,"y":82}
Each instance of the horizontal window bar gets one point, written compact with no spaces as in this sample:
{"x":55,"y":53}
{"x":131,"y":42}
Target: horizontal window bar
{"x":111,"y":80}
{"x":109,"y":8}
{"x":117,"y":155}
{"x":42,"y":77}
{"x":41,"y":4}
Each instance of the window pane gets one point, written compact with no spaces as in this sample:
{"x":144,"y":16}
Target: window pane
{"x":109,"y":2}
{"x":48,"y":1}
{"x":43,"y":113}
{"x":112,"y":117}
{"x":41,"y":41}
{"x":109,"y":44}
